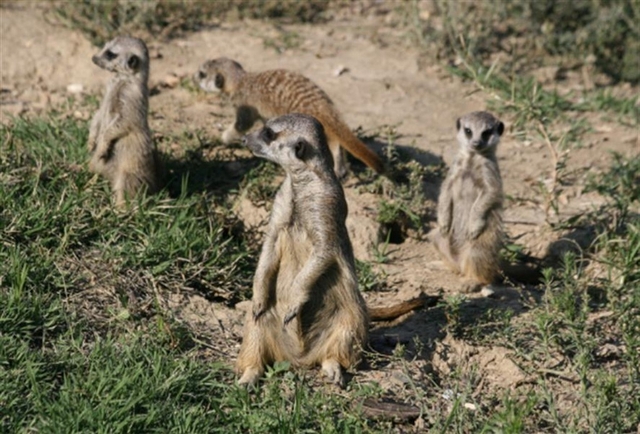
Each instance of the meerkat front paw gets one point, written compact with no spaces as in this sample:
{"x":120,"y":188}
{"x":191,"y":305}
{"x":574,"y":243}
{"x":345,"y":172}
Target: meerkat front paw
{"x":475,"y":229}
{"x":291,"y":314}
{"x":258,"y":309}
{"x":230,"y":135}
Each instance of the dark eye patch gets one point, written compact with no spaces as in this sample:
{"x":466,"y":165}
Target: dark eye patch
{"x":468,"y":133}
{"x":202,"y":75}
{"x":133,"y":62}
{"x":268,"y":135}
{"x":219,"y":81}
{"x":110,"y":55}
{"x":300,"y":149}
{"x":486,"y":135}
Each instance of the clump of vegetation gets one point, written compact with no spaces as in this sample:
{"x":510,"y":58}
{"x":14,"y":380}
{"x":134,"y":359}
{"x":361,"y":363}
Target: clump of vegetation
{"x":102,"y":20}
{"x":88,"y":341}
{"x":527,"y":32}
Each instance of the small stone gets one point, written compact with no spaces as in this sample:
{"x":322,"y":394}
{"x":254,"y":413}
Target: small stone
{"x":340,"y":70}
{"x":75,"y":88}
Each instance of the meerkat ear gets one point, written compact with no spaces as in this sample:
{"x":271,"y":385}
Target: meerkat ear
{"x":219,"y":81}
{"x":458,"y":124}
{"x":133,"y":62}
{"x":500,"y":128}
{"x":300,"y":149}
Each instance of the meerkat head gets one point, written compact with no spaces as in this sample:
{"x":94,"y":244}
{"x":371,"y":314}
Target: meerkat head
{"x":124,"y":55}
{"x":219,"y":75}
{"x":296,"y":142}
{"x":479,"y":132}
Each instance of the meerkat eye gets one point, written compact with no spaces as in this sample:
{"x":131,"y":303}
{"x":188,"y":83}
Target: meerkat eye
{"x":133,"y":62}
{"x":110,"y":55}
{"x":486,"y":135}
{"x":300,"y":148}
{"x":219,"y":81}
{"x":467,"y":132}
{"x":268,"y":135}
{"x":202,"y":75}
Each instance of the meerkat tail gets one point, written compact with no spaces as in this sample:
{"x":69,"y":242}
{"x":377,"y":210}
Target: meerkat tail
{"x":389,"y":313}
{"x":343,"y":135}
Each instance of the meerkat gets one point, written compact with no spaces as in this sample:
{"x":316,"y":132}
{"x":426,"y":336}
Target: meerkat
{"x":306,"y":306}
{"x":263,"y":95}
{"x":120,"y":141}
{"x":470,"y":234}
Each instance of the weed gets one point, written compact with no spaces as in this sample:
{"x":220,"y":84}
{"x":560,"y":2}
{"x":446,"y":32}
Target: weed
{"x":368,"y":278}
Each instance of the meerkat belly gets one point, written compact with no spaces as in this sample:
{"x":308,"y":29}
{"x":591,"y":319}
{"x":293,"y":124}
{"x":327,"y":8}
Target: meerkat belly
{"x":295,"y":248}
{"x":466,"y":196}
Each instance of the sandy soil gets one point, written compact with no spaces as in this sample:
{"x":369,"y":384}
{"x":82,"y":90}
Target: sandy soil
{"x":385,"y":82}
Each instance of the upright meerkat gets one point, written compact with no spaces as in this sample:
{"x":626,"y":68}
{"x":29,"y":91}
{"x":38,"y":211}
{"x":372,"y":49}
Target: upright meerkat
{"x":306,"y":305}
{"x":119,"y":137}
{"x":469,"y":233}
{"x":278,"y":92}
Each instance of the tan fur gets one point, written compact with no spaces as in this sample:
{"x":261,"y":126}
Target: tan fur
{"x":306,"y":305}
{"x":278,"y":92}
{"x":119,"y":138}
{"x":469,"y":234}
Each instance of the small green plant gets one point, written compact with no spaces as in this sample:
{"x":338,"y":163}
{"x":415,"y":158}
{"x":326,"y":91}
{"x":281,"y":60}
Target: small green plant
{"x":286,"y":40}
{"x":368,"y":278}
{"x":621,"y":185}
{"x":452,"y":305}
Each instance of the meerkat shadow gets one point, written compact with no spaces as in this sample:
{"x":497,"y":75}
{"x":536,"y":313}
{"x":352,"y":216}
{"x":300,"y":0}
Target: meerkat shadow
{"x":194,"y":173}
{"x":415,"y":335}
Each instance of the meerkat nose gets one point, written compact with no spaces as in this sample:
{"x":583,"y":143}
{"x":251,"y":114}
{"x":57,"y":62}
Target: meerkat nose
{"x":94,"y":59}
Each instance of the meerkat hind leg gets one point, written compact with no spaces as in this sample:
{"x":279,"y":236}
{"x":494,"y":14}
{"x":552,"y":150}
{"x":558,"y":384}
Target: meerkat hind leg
{"x":262,"y":344}
{"x":443,"y":246}
{"x":478,"y":269}
{"x":250,"y":376}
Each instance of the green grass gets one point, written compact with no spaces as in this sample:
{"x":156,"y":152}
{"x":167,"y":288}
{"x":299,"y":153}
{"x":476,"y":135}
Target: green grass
{"x":86,"y":343}
{"x":89,"y":344}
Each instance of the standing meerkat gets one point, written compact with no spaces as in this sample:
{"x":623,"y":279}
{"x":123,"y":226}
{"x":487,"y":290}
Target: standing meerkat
{"x":119,"y":137}
{"x":278,"y":92}
{"x":306,"y":306}
{"x":469,"y":234}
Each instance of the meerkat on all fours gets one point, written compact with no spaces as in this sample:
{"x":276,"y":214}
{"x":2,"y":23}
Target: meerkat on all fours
{"x":119,"y":137}
{"x":306,"y":306}
{"x":261,"y":96}
{"x":469,"y":233}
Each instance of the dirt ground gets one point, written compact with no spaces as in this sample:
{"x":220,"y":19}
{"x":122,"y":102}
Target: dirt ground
{"x":376,"y":79}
